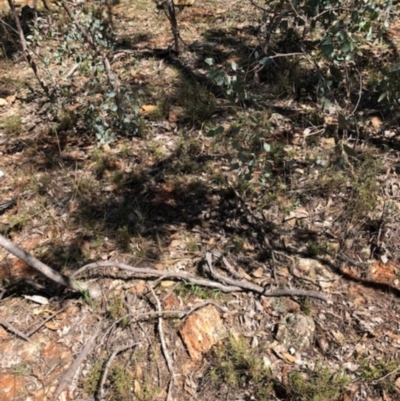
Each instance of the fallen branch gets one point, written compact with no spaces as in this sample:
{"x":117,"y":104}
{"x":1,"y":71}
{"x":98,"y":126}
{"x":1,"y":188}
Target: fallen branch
{"x":71,"y":371}
{"x":42,"y":268}
{"x":123,"y":348}
{"x":147,"y":272}
{"x":164,"y":345}
{"x":135,"y":317}
{"x":41,"y":324}
{"x":248,"y":285}
{"x":229,"y":285}
{"x":13,"y":330}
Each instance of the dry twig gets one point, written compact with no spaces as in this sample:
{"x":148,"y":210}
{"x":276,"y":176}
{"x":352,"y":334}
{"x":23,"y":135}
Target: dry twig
{"x":112,"y":78}
{"x":161,"y":332}
{"x":47,"y":271}
{"x":71,"y":371}
{"x":229,"y":285}
{"x":123,"y":348}
{"x":41,"y":324}
{"x":11,"y":328}
{"x":147,"y":272}
{"x":247,"y":285}
{"x":49,"y":92}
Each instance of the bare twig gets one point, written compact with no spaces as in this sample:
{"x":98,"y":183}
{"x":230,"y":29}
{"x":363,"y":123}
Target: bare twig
{"x":252,"y":2}
{"x":387,"y":375}
{"x":112,"y":78}
{"x":11,"y":328}
{"x":359,"y":95}
{"x":291,"y":269}
{"x":203,"y":304}
{"x":227,"y":265}
{"x":123,"y":348}
{"x":143,"y":316}
{"x":247,"y":285}
{"x":171,"y":15}
{"x":170,"y":386}
{"x":41,"y":324}
{"x":47,"y":271}
{"x":228,"y":286}
{"x":71,"y":371}
{"x":162,"y":339}
{"x":147,"y":272}
{"x":50,"y":93}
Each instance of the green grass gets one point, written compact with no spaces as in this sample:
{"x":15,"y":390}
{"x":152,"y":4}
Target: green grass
{"x":11,"y":125}
{"x":237,"y":366}
{"x":320,"y":384}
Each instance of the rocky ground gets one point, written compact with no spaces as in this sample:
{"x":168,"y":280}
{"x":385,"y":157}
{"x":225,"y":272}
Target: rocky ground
{"x":207,"y":287}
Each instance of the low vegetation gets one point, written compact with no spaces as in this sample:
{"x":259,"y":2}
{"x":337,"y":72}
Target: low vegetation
{"x":140,"y":133}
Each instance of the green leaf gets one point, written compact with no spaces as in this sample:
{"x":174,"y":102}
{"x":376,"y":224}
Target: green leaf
{"x":382,"y":97}
{"x":220,"y":130}
{"x":327,"y":46}
{"x":235,"y":131}
{"x":234,"y":66}
{"x":267,"y":147}
{"x":369,"y":33}
{"x":267,"y":170}
{"x":265,"y":61}
{"x":351,"y":152}
{"x":209,"y":61}
{"x":343,"y":124}
{"x":345,"y":47}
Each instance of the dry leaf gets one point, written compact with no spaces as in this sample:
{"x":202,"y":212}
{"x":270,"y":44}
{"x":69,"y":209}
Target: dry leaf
{"x":175,"y":114}
{"x":167,"y":283}
{"x":147,"y":109}
{"x":39,"y":311}
{"x":138,"y":371}
{"x":73,"y":107}
{"x":247,"y":246}
{"x":51,"y":326}
{"x":37,"y":298}
{"x":376,"y":122}
{"x":107,"y":148}
{"x":300,"y":213}
{"x":10,"y":99}
{"x":339,"y":337}
{"x":258,"y":273}
{"x":289,"y":357}
{"x":136,"y":387}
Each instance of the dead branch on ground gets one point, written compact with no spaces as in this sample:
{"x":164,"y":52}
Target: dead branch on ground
{"x":71,"y":371}
{"x":42,"y":268}
{"x":164,"y":345}
{"x":224,"y":284}
{"x":104,"y":376}
{"x":11,"y":328}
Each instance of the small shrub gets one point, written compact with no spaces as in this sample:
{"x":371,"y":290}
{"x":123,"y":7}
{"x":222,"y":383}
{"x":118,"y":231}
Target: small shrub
{"x":84,"y":38}
{"x":238,"y":366}
{"x":11,"y":125}
{"x":318,"y":385}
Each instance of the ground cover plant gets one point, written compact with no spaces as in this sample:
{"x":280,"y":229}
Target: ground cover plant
{"x":222,"y":171}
